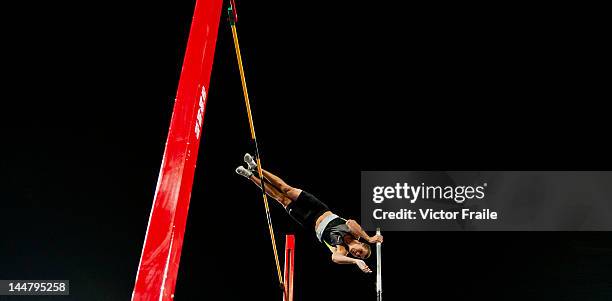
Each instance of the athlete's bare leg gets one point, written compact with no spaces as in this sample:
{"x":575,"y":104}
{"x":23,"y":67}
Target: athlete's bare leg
{"x":291,"y":192}
{"x":272,"y":191}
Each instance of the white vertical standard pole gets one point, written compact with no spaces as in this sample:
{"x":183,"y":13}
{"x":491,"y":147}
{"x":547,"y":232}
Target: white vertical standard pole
{"x":378,"y":269}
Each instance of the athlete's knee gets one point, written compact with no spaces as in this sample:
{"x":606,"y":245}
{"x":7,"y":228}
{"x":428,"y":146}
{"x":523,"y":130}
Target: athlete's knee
{"x":286,"y":189}
{"x":293,"y":193}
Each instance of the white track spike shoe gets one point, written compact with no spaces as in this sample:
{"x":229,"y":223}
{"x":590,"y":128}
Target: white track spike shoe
{"x":250,"y":161}
{"x":244,"y":172}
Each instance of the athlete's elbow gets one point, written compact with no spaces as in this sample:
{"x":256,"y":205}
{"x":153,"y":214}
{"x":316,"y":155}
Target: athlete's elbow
{"x":352,"y":224}
{"x":335,"y":258}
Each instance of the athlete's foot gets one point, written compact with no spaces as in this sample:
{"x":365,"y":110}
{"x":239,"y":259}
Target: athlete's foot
{"x":244,"y":172}
{"x":250,"y":161}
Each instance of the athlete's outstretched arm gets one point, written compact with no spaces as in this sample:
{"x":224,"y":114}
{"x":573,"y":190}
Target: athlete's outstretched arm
{"x":359,"y":232}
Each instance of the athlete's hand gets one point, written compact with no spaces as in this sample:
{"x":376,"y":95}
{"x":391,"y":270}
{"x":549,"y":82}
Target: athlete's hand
{"x":363,"y":266}
{"x":376,"y":238}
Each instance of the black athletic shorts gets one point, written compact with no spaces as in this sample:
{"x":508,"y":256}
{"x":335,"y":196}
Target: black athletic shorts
{"x":306,"y":209}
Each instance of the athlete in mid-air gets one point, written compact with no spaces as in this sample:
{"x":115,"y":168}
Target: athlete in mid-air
{"x":339,"y":235}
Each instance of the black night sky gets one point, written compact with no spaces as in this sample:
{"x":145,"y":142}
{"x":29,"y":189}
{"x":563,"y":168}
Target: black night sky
{"x":336,"y":88}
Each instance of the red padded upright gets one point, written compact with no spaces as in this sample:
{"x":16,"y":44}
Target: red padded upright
{"x":161,"y":252}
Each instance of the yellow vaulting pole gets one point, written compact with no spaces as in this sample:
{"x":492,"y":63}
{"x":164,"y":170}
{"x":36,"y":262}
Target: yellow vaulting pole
{"x":254,"y":138}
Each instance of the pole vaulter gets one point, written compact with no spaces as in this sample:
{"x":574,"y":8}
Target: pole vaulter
{"x":159,"y":262}
{"x":341,"y":236}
